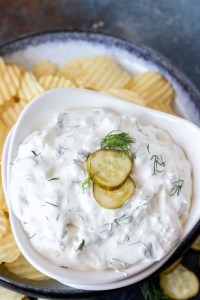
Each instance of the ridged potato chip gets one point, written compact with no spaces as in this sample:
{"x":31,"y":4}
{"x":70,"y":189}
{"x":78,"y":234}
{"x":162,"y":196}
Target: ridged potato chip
{"x":125,"y":94}
{"x":23,"y":269}
{"x":9,"y":82}
{"x":9,"y":250}
{"x":179,"y":284}
{"x":3,"y":134}
{"x":3,"y":224}
{"x":71,"y":69}
{"x":10,"y":295}
{"x":44,"y":68}
{"x":29,"y":87}
{"x":164,"y":107}
{"x":51,"y":82}
{"x":10,"y":116}
{"x":2,"y":67}
{"x":3,"y":205}
{"x":101,"y":73}
{"x":152,"y":87}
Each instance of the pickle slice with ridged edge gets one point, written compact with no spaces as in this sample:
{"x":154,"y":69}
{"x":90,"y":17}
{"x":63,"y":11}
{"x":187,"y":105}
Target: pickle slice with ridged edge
{"x":114,"y":199}
{"x":109,"y":169}
{"x":180,"y":284}
{"x":172,"y":267}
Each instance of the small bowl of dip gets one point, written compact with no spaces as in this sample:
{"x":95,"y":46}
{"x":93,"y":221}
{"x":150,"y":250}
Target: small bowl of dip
{"x":60,"y":228}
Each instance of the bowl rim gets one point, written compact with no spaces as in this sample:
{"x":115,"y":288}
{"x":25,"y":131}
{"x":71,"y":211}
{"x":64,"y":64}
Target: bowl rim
{"x":132,"y":47}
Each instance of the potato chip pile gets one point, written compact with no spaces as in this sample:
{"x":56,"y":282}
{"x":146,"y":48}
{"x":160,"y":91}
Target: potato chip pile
{"x":9,"y":295}
{"x":100,"y":73}
{"x":19,"y":86}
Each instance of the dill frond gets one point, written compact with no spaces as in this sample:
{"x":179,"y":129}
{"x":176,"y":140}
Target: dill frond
{"x":118,"y":141}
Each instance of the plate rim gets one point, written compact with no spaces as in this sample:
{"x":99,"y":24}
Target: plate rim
{"x":133,"y":47}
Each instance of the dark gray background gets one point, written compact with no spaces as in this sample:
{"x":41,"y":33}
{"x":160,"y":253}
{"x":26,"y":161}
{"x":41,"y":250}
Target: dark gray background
{"x":172,"y":27}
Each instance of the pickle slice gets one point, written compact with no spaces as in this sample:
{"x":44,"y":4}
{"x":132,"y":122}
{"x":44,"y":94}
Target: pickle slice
{"x":109,"y":169}
{"x":180,"y":284}
{"x":116,"y":198}
{"x":172,"y":267}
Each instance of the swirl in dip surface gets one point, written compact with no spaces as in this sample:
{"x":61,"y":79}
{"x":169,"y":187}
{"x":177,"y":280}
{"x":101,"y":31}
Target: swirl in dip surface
{"x":48,"y":198}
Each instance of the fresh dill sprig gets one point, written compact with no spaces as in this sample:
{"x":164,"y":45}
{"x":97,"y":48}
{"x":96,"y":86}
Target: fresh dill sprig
{"x":34,"y":153}
{"x":151,"y":292}
{"x":158,"y":162}
{"x":118,"y":141}
{"x":177,"y":187}
{"x":87,"y":183}
{"x":80,"y":247}
{"x":55,"y":178}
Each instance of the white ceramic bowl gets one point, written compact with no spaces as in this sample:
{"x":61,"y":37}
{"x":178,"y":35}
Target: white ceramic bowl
{"x":37,"y":114}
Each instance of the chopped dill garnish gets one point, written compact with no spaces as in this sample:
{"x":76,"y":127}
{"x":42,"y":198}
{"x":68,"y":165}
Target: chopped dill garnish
{"x":64,"y":267}
{"x":32,"y":236}
{"x":118,"y":141}
{"x":158,"y":162}
{"x":11,"y":163}
{"x":87,"y":183}
{"x":55,"y":178}
{"x":177,"y":187}
{"x":58,"y":217}
{"x":148,"y":148}
{"x":80,"y":247}
{"x":151,"y":292}
{"x":116,"y":222}
{"x":81,"y":218}
{"x":64,"y":148}
{"x":135,"y":243}
{"x":47,"y":218}
{"x":34,"y":153}
{"x":52,"y":204}
{"x":117,"y":260}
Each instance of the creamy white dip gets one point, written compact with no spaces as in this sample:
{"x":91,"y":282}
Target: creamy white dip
{"x":48,"y":198}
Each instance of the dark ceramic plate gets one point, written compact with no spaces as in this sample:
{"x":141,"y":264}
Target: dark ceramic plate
{"x":59,"y":47}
